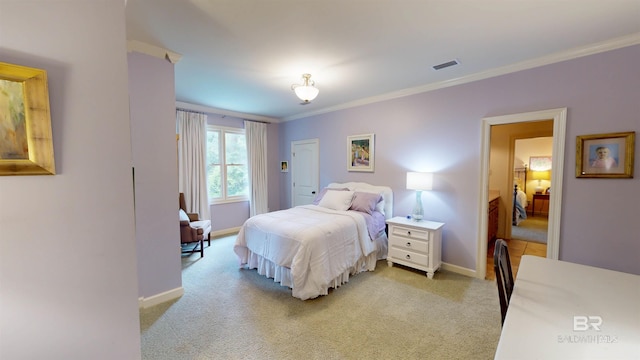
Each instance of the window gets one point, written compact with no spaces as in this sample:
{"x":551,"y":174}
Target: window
{"x":226,"y":164}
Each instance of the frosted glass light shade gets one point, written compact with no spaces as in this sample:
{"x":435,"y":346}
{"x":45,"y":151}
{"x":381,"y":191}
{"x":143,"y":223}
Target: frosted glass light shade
{"x":419,"y":181}
{"x":306,"y":93}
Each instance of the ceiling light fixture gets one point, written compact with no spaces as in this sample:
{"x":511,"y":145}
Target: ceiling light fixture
{"x":306,"y":92}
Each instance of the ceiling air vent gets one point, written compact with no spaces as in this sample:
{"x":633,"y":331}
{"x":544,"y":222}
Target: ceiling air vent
{"x":446,"y":65}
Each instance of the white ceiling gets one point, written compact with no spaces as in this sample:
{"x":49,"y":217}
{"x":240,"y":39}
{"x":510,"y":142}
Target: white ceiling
{"x":241,"y":56}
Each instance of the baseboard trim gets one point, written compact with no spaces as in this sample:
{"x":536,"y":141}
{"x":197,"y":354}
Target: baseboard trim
{"x":459,"y":269}
{"x":224,"y":232}
{"x":144,"y":303}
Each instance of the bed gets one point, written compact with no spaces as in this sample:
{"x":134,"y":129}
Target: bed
{"x":519,"y":196}
{"x":312,"y":248}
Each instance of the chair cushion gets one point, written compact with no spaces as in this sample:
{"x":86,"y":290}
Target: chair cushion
{"x":183,"y":216}
{"x":205,"y":225}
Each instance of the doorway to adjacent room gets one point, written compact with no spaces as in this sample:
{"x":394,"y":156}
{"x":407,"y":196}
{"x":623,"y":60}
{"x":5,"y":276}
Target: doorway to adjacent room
{"x":558,"y":117}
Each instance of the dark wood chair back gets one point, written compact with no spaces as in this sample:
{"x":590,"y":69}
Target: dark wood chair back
{"x":182,"y":203}
{"x":504,"y":275}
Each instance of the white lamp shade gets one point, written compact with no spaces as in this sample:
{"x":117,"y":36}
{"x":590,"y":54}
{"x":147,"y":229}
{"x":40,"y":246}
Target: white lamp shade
{"x":306,"y":92}
{"x":419,"y":181}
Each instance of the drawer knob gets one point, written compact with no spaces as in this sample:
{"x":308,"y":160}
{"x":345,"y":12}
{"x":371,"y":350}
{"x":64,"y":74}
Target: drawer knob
{"x":408,"y":257}
{"x":409,"y":233}
{"x":408,"y":244}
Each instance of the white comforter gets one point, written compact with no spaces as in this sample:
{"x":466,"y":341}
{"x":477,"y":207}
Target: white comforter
{"x":317,"y":244}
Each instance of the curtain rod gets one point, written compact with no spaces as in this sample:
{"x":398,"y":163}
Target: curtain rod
{"x":222,"y":115}
{"x":191,"y":111}
{"x":257,"y":121}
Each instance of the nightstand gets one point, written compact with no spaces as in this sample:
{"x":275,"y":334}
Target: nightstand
{"x":542,"y":197}
{"x":417,"y":244}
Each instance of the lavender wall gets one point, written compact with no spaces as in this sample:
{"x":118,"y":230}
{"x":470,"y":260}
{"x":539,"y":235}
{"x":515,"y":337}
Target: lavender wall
{"x":68,"y":285}
{"x":154,"y":154}
{"x":439,"y":131}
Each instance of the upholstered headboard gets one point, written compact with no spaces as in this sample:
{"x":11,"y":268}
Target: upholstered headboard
{"x":385,"y":191}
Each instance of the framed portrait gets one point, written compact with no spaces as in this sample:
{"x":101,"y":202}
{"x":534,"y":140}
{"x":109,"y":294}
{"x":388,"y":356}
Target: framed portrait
{"x":26,"y":145}
{"x":605,"y":155}
{"x":360,"y":153}
{"x":284,"y":166}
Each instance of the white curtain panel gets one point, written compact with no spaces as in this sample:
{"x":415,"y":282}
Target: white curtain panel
{"x":256,"y":135}
{"x":192,"y":159}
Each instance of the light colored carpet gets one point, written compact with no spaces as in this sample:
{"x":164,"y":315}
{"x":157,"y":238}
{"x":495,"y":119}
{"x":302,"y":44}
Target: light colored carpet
{"x":232,"y":313}
{"x":531,"y":229}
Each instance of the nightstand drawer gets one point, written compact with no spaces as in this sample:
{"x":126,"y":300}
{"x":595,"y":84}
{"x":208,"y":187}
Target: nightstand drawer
{"x":409,"y":256}
{"x":409,"y":244}
{"x":410,"y":233}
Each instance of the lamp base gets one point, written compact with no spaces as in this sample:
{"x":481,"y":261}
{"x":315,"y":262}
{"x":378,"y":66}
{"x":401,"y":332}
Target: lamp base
{"x":418,"y":211}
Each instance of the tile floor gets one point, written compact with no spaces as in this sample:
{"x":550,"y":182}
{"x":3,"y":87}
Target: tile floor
{"x":517,"y":248}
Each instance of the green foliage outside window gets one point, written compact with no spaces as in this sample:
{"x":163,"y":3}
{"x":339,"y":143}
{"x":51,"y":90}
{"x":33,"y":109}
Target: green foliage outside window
{"x":214,"y":171}
{"x":230,"y":164}
{"x":236,"y":155}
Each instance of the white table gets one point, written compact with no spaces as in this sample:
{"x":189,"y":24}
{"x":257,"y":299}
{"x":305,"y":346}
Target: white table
{"x":561,"y":310}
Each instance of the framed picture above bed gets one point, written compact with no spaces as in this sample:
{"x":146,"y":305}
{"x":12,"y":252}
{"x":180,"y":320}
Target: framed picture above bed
{"x":605,"y":155}
{"x":540,"y":163}
{"x":361,"y":152}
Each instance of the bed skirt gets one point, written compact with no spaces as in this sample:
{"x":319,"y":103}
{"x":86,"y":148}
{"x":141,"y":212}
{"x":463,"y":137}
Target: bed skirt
{"x":283,"y":276}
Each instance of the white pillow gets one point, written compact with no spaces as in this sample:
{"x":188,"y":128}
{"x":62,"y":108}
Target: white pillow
{"x":183,"y":216}
{"x":337,"y":200}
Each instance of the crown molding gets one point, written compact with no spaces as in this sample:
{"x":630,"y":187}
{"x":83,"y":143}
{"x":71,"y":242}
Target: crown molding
{"x":574,"y":53}
{"x":155,"y":51}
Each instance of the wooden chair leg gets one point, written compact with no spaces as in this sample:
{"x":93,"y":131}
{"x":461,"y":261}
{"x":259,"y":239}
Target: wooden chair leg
{"x":201,"y":247}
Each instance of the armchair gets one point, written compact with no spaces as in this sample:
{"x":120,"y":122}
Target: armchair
{"x":193,"y":230}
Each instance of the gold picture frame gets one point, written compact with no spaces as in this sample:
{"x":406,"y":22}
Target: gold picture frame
{"x":360,"y":153}
{"x":605,"y":155}
{"x":26,"y":144}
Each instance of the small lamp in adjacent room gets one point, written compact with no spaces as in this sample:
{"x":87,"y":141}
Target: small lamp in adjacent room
{"x":419,"y":181}
{"x":540,"y":175}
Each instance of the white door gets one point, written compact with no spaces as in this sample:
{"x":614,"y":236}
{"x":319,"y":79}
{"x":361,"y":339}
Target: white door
{"x":305,"y":171}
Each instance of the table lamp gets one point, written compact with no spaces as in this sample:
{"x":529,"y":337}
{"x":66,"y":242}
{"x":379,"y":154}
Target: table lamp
{"x":419,"y":181}
{"x":540,"y":175}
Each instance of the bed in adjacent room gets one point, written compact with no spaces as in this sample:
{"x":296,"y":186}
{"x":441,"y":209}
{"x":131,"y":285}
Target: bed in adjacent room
{"x":519,"y":196}
{"x":312,"y":248}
